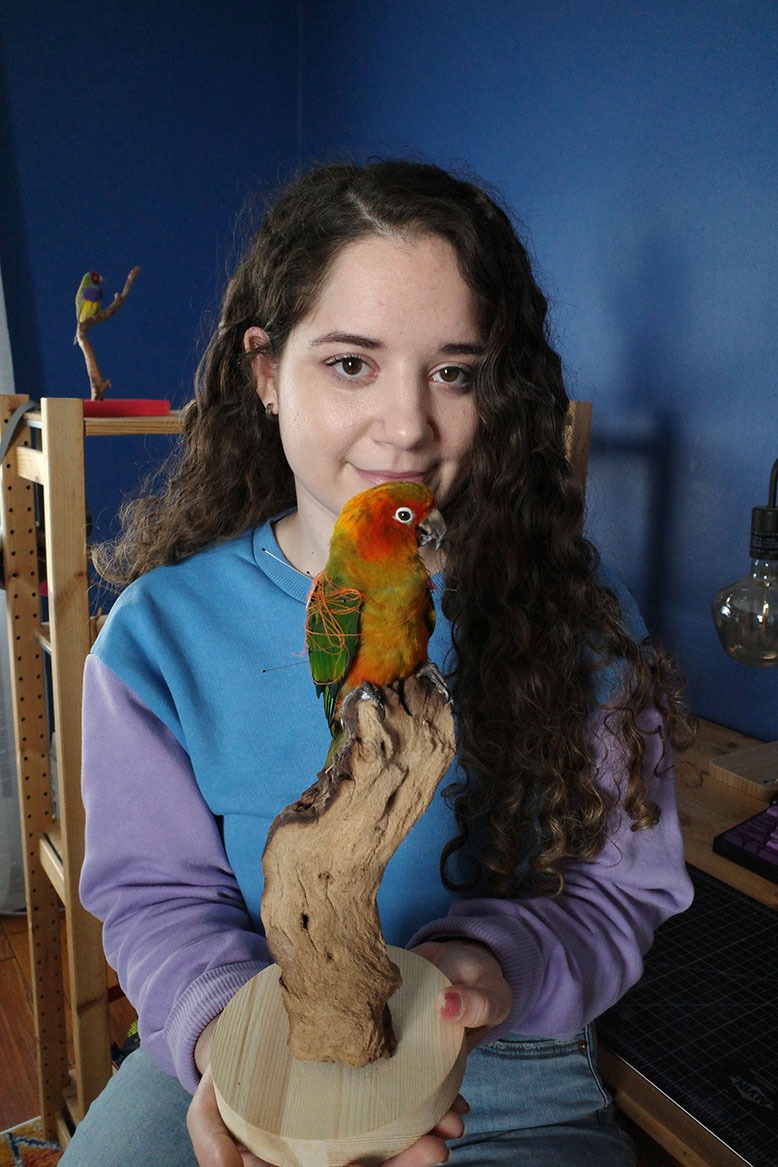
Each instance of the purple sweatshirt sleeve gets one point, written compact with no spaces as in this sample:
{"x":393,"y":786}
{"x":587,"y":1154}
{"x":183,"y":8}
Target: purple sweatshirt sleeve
{"x":175,"y":926}
{"x":569,"y":958}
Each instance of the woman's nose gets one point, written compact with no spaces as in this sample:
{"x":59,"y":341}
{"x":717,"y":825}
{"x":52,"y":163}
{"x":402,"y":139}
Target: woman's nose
{"x":405,"y":417}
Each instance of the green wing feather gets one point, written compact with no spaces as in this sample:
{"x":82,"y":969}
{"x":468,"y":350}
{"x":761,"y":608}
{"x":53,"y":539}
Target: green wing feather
{"x":332,"y":635}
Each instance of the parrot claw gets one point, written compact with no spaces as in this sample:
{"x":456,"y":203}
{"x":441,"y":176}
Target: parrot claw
{"x":432,"y":673}
{"x":366,"y":692}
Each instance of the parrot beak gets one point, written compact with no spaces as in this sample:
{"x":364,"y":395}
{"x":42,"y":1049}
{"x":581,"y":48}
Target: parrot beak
{"x":432,"y":529}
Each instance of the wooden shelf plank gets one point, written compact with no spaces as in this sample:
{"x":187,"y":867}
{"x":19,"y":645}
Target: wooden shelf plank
{"x":43,"y":637}
{"x":31,"y":466}
{"x":169,"y":423}
{"x":51,"y":861}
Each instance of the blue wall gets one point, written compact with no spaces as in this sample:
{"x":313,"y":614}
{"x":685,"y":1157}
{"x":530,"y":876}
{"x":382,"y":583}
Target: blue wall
{"x":636,"y":142}
{"x":133,"y":134}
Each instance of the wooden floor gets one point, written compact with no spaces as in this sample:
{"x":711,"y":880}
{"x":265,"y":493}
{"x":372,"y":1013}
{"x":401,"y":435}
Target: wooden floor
{"x":18,"y":1074}
{"x":18,"y":1085}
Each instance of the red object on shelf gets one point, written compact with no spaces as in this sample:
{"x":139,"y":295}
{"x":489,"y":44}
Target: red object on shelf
{"x":127,"y":407}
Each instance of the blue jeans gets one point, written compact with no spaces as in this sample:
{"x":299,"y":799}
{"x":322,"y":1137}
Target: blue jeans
{"x":539,"y":1103}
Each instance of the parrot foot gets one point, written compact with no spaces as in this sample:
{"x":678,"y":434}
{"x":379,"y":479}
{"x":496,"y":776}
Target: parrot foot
{"x":432,"y":673}
{"x":365,"y":692}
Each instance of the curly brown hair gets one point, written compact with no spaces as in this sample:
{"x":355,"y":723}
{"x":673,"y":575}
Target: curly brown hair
{"x":532,"y":623}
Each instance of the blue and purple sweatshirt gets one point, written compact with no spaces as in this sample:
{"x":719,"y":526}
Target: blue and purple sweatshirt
{"x":201,"y":723}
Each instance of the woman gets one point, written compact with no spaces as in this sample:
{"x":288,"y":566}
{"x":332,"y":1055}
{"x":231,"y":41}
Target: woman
{"x":384,"y":324}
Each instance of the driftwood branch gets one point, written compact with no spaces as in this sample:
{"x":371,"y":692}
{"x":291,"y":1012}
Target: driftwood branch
{"x":97,"y":383}
{"x":323,"y":863}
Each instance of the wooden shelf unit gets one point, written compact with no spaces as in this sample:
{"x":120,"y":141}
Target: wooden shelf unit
{"x":47,"y":451}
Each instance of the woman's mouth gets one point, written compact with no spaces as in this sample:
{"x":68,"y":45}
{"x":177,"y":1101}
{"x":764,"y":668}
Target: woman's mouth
{"x":377,"y":477}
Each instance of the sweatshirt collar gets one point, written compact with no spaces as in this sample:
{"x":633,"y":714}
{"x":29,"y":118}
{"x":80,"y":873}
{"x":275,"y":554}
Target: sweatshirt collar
{"x":270,"y":559}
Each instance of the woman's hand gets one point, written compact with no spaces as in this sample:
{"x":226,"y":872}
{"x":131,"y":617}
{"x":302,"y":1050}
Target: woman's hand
{"x":214,"y":1146}
{"x":431,"y":1148}
{"x":479,"y":997}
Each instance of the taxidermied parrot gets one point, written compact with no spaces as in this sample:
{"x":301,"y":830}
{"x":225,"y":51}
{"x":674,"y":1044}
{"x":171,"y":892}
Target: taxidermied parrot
{"x":88,"y":297}
{"x":370,"y":612}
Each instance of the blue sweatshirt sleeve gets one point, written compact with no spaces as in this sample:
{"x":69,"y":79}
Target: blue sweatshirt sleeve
{"x":176,"y":929}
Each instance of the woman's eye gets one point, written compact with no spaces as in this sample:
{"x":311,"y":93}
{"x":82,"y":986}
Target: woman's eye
{"x":454,"y":375}
{"x":348,"y":367}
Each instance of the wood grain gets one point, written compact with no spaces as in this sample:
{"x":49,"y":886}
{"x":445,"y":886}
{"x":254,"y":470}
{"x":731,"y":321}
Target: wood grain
{"x":324,"y":860}
{"x":753,"y":770}
{"x":707,"y":807}
{"x":320,"y":1114}
{"x":18,"y":1076}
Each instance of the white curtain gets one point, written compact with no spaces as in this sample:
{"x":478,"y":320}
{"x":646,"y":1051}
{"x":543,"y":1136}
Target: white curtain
{"x":6,"y":366}
{"x":11,"y":868}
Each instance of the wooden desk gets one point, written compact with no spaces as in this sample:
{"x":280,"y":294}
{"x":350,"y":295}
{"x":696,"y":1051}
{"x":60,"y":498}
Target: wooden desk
{"x":707,"y":807}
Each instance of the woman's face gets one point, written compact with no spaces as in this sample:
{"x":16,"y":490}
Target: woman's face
{"x":375,"y":383}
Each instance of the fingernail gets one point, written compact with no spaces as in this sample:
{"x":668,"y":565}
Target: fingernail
{"x":453,"y":1005}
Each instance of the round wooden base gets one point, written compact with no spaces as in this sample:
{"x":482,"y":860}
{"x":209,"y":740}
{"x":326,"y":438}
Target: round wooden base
{"x":319,"y":1114}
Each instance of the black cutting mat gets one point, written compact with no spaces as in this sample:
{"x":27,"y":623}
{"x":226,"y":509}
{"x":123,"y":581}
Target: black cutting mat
{"x":702,"y":1022}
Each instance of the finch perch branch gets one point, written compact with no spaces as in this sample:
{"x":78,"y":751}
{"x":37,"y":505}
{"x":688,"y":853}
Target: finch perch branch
{"x":323,"y":862}
{"x":98,"y":385}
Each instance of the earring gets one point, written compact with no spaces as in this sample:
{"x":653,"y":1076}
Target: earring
{"x":270,"y":412}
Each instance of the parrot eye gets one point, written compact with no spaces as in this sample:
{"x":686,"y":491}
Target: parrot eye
{"x":404,"y":515}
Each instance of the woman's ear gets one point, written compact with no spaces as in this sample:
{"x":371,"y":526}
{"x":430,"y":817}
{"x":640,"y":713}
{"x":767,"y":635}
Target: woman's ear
{"x":263,"y":365}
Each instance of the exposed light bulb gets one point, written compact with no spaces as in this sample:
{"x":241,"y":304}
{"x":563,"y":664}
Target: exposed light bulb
{"x":745,"y":612}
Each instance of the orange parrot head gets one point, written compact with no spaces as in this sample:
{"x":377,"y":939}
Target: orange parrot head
{"x":387,"y":524}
